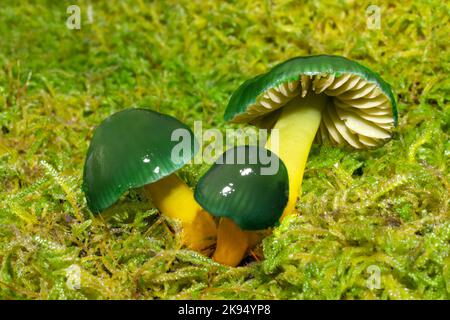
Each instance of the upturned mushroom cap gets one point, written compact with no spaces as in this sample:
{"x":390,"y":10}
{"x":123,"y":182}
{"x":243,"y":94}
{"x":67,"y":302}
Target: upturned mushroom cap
{"x":239,"y":190}
{"x":361,"y":109}
{"x":130,"y":149}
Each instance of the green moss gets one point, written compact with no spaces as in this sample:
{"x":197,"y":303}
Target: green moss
{"x":387,"y":208}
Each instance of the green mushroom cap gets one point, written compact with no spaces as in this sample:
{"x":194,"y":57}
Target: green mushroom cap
{"x":238,"y":187}
{"x":361,"y":110}
{"x":130,"y":149}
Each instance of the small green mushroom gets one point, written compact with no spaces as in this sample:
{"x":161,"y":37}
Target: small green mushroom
{"x":237,"y":189}
{"x":318,"y":98}
{"x":134,"y":148}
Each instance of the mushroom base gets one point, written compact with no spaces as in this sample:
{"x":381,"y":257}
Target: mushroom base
{"x":176,"y":200}
{"x":233,"y":242}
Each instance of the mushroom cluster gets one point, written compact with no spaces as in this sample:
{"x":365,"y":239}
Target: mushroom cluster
{"x":305,"y":99}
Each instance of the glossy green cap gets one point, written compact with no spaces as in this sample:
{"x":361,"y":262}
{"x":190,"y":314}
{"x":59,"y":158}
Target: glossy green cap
{"x":130,"y":149}
{"x":290,"y":70}
{"x":253,"y":197}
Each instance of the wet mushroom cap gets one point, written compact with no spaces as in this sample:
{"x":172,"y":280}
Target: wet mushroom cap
{"x":130,"y":149}
{"x":240,"y":190}
{"x":360,"y":111}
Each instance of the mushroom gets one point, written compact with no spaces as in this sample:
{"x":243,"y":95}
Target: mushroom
{"x":318,"y":98}
{"x":133,"y":148}
{"x":244,"y":196}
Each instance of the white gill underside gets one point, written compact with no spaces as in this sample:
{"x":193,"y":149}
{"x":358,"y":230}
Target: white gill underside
{"x":358,"y":113}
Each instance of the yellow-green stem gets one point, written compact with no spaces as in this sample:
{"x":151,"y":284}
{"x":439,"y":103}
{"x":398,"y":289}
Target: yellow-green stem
{"x":297,"y":126}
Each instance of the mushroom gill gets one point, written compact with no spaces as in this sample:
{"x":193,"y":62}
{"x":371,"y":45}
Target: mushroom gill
{"x":357,"y":113}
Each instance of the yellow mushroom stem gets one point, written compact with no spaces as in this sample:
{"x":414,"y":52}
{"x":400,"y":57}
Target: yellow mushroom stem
{"x":233,"y":242}
{"x":176,"y":200}
{"x":297,"y":126}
